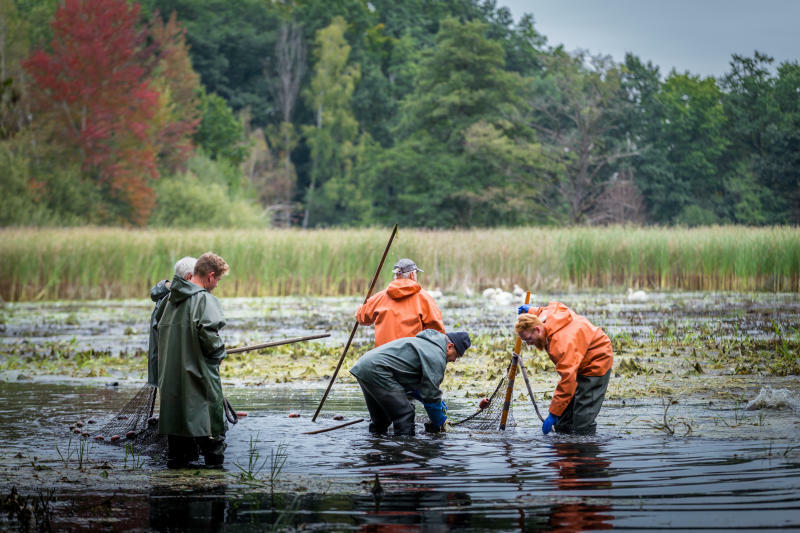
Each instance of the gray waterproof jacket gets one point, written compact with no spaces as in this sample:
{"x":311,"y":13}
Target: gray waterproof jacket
{"x":158,"y":294}
{"x":190,"y":350}
{"x":410,"y":363}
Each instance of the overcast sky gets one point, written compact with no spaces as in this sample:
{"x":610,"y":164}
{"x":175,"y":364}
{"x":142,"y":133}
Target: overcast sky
{"x":694,"y":35}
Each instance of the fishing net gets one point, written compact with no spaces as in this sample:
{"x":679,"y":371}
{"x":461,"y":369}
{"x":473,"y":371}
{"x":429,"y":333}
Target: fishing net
{"x":135,"y":426}
{"x":489,"y":417}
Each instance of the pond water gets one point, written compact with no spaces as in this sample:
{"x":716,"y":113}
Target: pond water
{"x":518,"y":480}
{"x":699,"y":461}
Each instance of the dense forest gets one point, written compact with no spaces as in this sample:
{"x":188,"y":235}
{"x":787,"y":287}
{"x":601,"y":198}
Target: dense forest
{"x":309,"y":113}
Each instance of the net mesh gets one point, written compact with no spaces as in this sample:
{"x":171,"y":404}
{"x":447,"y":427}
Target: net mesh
{"x":134,"y":426}
{"x":488,"y":418}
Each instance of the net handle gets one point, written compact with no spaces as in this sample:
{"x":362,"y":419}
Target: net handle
{"x":512,"y":374}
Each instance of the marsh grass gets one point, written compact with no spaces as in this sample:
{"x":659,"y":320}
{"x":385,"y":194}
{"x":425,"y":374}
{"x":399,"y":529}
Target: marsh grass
{"x":90,"y":263}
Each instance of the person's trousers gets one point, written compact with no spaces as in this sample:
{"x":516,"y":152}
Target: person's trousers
{"x":183,"y":450}
{"x":388,"y":407}
{"x":578,"y":418}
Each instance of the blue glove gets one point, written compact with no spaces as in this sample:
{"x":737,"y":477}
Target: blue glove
{"x":437,"y":412}
{"x":524,"y":308}
{"x":414,"y":394}
{"x":549,"y":422}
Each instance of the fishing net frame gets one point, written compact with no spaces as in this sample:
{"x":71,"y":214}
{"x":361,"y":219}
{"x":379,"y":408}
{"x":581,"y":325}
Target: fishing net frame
{"x":497,"y":415}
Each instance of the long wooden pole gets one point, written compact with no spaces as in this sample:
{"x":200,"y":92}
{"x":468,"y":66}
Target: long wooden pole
{"x":512,"y":374}
{"x":355,"y":326}
{"x":334,"y":427}
{"x":277,"y":343}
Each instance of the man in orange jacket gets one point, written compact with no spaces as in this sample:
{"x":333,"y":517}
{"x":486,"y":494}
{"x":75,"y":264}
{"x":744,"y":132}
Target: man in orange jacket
{"x":403,"y":309}
{"x":583,"y":357}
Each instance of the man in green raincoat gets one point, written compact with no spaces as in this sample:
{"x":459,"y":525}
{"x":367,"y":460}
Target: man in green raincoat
{"x":183,"y":269}
{"x":190,"y":350}
{"x":408,"y":366}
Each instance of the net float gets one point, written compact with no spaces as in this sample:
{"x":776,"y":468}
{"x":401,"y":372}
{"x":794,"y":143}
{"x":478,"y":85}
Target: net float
{"x":122,"y":417}
{"x":91,"y":421}
{"x":115,"y":438}
{"x":484,"y":403}
{"x":77,"y":431}
{"x":152,"y":421}
{"x":79,"y":424}
{"x":85,"y":434}
{"x":99,"y":437}
{"x":338,"y":417}
{"x":241,"y":414}
{"x":130,"y":434}
{"x":294,"y":415}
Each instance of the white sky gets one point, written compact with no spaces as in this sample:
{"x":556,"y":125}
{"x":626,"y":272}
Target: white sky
{"x":694,"y":35}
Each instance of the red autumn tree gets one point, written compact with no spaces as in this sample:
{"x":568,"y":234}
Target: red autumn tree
{"x":179,"y":87}
{"x":93,"y":88}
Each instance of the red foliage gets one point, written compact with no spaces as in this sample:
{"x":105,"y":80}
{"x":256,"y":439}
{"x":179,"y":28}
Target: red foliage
{"x":180,"y":85}
{"x":94,"y":88}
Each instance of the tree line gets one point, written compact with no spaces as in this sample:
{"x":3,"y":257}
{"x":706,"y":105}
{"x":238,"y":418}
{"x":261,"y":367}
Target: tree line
{"x":353,"y":113}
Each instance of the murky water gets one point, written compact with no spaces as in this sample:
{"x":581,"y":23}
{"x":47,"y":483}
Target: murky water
{"x":703,"y":462}
{"x":626,"y":477}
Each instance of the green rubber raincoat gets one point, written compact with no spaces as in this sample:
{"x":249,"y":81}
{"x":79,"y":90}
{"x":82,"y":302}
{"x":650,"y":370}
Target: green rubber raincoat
{"x":406,"y":364}
{"x":190,"y":350}
{"x":157,"y":294}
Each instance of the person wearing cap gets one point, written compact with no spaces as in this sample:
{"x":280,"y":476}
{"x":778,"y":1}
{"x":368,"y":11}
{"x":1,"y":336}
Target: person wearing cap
{"x":403,"y":309}
{"x":583,"y":357}
{"x":415,"y":364}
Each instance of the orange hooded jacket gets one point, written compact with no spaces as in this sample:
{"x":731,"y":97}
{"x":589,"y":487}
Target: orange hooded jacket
{"x":576,"y":346}
{"x":402,"y":310}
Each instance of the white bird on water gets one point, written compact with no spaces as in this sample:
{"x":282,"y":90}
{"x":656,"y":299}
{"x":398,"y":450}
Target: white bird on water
{"x":637,"y":296}
{"x":503,"y":298}
{"x":518,"y":291}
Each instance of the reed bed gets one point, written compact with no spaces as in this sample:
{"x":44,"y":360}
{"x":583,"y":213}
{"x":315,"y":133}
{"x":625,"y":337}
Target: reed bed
{"x":91,"y":263}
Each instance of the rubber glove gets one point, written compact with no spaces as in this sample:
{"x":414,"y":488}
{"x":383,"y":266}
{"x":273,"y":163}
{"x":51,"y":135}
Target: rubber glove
{"x":524,"y":308}
{"x":414,"y":394}
{"x":437,"y":412}
{"x":549,"y":422}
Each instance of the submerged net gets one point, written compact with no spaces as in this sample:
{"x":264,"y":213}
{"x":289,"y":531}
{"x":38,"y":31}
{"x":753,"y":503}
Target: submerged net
{"x":135,"y":426}
{"x":488,"y":418}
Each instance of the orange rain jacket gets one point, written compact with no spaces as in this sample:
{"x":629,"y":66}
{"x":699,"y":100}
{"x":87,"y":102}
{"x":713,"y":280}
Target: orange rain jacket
{"x":402,"y":310}
{"x":576,"y":346}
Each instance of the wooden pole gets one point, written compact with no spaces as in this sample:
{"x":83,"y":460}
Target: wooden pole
{"x":355,"y":326}
{"x":512,"y":374}
{"x":334,"y":427}
{"x":277,"y":343}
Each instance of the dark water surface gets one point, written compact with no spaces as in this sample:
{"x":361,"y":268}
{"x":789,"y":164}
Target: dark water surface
{"x":468,"y":480}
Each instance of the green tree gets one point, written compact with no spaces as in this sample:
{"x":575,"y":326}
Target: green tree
{"x":763,"y":114}
{"x":332,"y":138}
{"x":220,"y":134}
{"x":579,"y":113}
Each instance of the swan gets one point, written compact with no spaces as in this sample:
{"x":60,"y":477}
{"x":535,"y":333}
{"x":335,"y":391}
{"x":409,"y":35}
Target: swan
{"x":637,"y":296}
{"x":518,"y":292}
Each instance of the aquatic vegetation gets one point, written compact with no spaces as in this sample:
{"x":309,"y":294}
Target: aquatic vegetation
{"x":670,"y":424}
{"x":331,"y":261}
{"x":137,"y":461}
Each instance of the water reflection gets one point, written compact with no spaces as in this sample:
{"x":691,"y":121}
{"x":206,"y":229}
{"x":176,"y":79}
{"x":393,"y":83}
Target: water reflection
{"x":580,"y":465}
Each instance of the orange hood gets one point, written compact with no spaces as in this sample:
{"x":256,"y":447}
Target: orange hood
{"x":402,"y":288}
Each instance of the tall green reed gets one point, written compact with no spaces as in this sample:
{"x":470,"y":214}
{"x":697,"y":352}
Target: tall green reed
{"x":91,"y":263}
